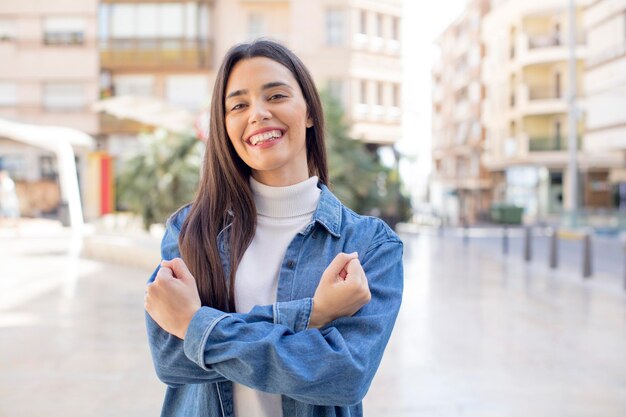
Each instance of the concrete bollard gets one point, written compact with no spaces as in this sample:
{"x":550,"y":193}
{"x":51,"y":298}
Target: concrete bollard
{"x":528,"y":237}
{"x":465,"y":233}
{"x":554,"y":248}
{"x":587,"y":267}
{"x":505,"y":240}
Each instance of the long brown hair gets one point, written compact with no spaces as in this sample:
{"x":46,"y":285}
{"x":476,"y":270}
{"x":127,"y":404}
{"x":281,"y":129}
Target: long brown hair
{"x":224,"y":198}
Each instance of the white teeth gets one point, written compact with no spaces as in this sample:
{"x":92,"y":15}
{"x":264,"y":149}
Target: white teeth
{"x":265,"y":136}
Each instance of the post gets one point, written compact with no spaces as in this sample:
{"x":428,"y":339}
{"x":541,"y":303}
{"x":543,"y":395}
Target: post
{"x":554,"y":248}
{"x":505,"y":240}
{"x":528,"y":236}
{"x":572,"y":129}
{"x":465,"y":233}
{"x":625,"y":268}
{"x":587,"y":267}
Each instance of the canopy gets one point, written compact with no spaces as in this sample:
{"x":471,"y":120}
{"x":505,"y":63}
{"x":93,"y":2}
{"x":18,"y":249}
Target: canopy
{"x":61,"y":141}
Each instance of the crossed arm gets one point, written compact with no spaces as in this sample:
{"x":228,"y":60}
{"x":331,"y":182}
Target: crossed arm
{"x":270,"y":348}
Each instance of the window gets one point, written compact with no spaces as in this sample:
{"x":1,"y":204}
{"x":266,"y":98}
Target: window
{"x":363,"y":95}
{"x":7,"y":30}
{"x":256,"y":25}
{"x":334,"y":27}
{"x":380,"y":94}
{"x":63,"y":31}
{"x":335,"y":89}
{"x":396,"y":95}
{"x":379,"y":25}
{"x":134,"y":85}
{"x":48,"y":167}
{"x":8,"y":94}
{"x":187,"y":91}
{"x":395,"y":28}
{"x":363,"y":22}
{"x":149,"y":20}
{"x":172,"y":20}
{"x":64,"y":96}
{"x":15,"y":165}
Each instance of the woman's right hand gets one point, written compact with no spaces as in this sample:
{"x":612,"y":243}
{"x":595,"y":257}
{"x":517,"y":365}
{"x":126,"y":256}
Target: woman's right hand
{"x":342,"y":291}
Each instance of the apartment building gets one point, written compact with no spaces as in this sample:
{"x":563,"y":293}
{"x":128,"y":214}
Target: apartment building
{"x":353,"y":49}
{"x":605,"y":92}
{"x":526,"y":107}
{"x":49,"y":76}
{"x":171,"y":50}
{"x":461,"y":186}
{"x":65,"y":56}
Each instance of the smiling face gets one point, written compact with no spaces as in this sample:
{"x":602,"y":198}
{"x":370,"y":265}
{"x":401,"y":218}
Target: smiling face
{"x":266,"y":121}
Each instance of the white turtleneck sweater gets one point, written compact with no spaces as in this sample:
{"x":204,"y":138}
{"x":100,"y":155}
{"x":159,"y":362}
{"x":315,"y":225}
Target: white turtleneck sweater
{"x":282,"y":212}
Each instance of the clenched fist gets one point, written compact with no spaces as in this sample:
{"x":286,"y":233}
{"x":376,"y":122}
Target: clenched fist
{"x":172,"y":299}
{"x":342,"y":291}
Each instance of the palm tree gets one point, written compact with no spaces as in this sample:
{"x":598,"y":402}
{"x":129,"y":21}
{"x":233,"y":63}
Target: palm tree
{"x":161,"y":178}
{"x":358,"y":177}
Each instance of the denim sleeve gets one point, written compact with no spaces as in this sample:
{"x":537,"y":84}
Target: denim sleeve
{"x":332,"y":366}
{"x":170,"y":363}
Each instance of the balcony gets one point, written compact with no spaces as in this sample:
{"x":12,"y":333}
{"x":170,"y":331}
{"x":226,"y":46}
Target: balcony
{"x":539,"y":100}
{"x":543,"y":92}
{"x":550,"y":144}
{"x":544,"y":41}
{"x":153,"y":1}
{"x":150,"y":54}
{"x":547,"y":48}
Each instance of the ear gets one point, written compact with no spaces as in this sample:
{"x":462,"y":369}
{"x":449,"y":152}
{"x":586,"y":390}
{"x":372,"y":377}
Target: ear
{"x":309,"y":122}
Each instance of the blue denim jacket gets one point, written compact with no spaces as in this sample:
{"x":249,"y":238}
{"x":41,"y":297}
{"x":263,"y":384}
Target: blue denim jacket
{"x":318,"y":372}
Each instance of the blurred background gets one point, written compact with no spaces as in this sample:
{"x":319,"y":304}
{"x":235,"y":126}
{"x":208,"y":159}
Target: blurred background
{"x":490,"y":134}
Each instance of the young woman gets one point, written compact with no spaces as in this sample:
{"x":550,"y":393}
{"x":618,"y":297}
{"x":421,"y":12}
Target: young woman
{"x":284,"y":299}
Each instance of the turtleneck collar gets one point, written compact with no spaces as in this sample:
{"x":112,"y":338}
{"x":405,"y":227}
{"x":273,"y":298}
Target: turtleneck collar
{"x":290,"y":201}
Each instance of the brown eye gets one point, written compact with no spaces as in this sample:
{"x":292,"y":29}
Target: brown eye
{"x":276,"y":97}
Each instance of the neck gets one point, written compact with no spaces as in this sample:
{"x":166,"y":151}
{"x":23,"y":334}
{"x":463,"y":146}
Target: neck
{"x":288,"y":201}
{"x":278,"y":179}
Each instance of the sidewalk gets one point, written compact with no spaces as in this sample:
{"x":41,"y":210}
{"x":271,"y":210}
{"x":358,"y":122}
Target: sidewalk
{"x":477,"y":335}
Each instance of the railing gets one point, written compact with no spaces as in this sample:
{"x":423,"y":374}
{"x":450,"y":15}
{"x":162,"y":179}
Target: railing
{"x":543,"y":92}
{"x":551,"y":144}
{"x":544,"y":41}
{"x":152,"y":53}
{"x":551,"y":40}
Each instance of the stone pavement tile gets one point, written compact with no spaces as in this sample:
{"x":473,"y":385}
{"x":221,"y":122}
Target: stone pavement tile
{"x":475,"y":337}
{"x":83,"y":354}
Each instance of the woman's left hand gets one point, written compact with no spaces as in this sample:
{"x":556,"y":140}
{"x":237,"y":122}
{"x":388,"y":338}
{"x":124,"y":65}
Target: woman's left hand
{"x":172,"y":299}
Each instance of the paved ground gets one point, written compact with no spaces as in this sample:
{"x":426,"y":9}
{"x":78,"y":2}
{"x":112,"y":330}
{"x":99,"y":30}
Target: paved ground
{"x":478,"y":335}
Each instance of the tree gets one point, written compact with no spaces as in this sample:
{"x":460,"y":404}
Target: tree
{"x":358,"y":177}
{"x":163,"y":176}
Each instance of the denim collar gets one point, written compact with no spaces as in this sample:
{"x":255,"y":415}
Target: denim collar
{"x":328,"y":212}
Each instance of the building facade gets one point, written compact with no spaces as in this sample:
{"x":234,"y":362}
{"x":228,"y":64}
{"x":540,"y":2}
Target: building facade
{"x":461,"y":184}
{"x":65,"y":56}
{"x":171,"y":50}
{"x":526,"y":107}
{"x":605,"y":92}
{"x":49,"y":76}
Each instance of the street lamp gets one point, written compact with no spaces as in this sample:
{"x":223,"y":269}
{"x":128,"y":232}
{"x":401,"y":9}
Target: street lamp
{"x":572,"y":166}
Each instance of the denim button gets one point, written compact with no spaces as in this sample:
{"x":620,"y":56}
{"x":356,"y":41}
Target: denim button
{"x":291,"y":264}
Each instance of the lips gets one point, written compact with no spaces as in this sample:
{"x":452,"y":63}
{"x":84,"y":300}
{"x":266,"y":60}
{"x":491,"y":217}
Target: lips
{"x":265,"y":135}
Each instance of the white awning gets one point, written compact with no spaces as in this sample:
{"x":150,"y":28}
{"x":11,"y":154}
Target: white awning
{"x":149,"y":111}
{"x":61,"y":141}
{"x":45,"y":136}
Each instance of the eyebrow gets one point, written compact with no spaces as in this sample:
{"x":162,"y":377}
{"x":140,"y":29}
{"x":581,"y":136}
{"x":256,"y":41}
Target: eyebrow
{"x":265,"y":86}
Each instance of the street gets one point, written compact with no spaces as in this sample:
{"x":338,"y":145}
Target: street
{"x":478,"y":334}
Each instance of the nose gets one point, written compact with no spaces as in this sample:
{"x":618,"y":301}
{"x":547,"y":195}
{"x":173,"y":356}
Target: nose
{"x":259,"y":112}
